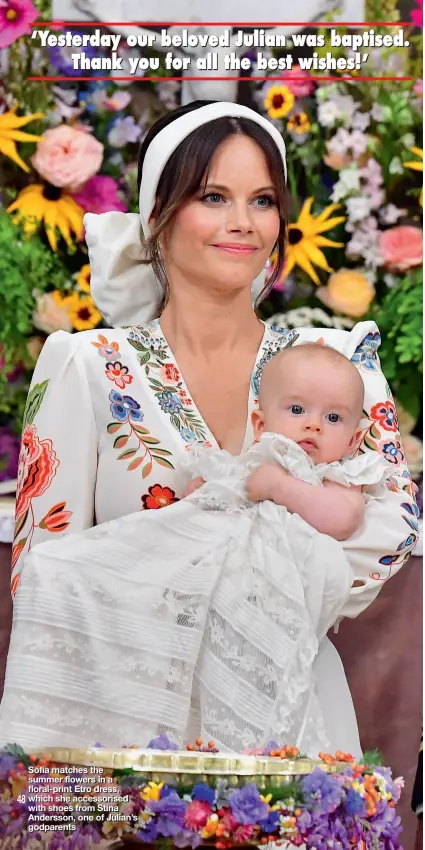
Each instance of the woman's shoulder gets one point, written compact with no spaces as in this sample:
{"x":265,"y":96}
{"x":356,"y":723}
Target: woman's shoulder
{"x":86,"y":343}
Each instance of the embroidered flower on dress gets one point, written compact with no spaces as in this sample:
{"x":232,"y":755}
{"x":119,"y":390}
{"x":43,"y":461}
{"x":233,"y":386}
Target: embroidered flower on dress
{"x":118,"y":373}
{"x":365,"y":355}
{"x":158,"y":497}
{"x":392,"y":452}
{"x":124,"y":407}
{"x":37,"y":467}
{"x":169,"y":402}
{"x":385,"y":414}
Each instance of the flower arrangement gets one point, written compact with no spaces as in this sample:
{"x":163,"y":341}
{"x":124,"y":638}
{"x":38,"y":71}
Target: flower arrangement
{"x":337,"y":803}
{"x":355,"y":165}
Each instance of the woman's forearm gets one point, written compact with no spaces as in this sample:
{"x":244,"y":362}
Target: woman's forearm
{"x":335,"y":511}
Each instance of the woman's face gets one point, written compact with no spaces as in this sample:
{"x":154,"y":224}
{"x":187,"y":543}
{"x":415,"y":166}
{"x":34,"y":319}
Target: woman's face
{"x":222,"y":238}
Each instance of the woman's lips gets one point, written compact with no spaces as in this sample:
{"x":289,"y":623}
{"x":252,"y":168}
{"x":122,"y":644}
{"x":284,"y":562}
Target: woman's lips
{"x":235,"y":248}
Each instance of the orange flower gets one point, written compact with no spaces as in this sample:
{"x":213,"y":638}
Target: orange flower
{"x":158,"y":497}
{"x":37,"y":468}
{"x":57,"y":519}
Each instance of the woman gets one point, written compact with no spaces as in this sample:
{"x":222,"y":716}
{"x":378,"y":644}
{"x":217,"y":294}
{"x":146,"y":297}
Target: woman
{"x":110,"y":415}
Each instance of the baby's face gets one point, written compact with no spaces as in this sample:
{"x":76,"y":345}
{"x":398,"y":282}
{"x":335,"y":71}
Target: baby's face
{"x":316,"y":405}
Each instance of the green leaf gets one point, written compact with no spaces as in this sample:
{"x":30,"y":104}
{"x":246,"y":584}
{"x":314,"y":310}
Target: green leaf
{"x":150,"y":441}
{"x":113,"y":427}
{"x":127,"y":454}
{"x":163,"y":462}
{"x":134,"y":464}
{"x":147,"y":469}
{"x":162,"y":452}
{"x":175,"y":421}
{"x":122,"y":441}
{"x":138,"y":345}
{"x":144,"y":358}
{"x":140,"y":430}
{"x":34,"y":402}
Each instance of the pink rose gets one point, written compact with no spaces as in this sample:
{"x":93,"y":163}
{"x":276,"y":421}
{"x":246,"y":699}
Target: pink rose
{"x":99,"y":195}
{"x":401,"y":248}
{"x":299,"y":87}
{"x":67,"y":157}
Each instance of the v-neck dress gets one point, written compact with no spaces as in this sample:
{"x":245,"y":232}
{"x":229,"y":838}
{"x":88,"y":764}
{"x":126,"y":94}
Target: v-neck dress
{"x":108,"y":424}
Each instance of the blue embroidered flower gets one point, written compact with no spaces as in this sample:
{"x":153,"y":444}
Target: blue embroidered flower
{"x":365,"y":354}
{"x":392,"y":452}
{"x":170,"y":402}
{"x":123,"y":407}
{"x":187,"y":435}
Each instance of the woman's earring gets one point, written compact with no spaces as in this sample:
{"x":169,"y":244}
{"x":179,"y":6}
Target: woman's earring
{"x":268,"y":263}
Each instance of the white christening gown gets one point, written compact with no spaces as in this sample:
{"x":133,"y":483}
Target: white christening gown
{"x":201,"y":620}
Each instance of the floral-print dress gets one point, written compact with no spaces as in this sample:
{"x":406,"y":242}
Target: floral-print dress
{"x":108,"y":423}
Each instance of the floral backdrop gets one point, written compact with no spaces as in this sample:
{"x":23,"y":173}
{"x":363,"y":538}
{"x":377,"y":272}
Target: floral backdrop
{"x":355,"y":163}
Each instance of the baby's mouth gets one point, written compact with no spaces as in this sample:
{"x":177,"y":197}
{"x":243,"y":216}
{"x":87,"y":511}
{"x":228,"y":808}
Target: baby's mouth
{"x":307,"y":444}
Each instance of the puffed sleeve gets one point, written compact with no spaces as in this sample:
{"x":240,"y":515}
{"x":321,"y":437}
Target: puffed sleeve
{"x":388,"y":535}
{"x":58,"y":457}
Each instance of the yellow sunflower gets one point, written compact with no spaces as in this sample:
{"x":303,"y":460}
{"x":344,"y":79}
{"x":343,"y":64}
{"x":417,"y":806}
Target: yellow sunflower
{"x":305,"y":240}
{"x":417,"y":165}
{"x":10,"y":134}
{"x":83,"y":279}
{"x":279,"y":101}
{"x":54,"y":208}
{"x":83,"y":313}
{"x":299,"y":122}
{"x":61,"y":297}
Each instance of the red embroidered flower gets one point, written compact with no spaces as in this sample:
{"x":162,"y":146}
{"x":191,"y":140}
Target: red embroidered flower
{"x":57,"y":519}
{"x":158,"y":497}
{"x":118,"y":374}
{"x":385,"y":414}
{"x":170,"y":374}
{"x":37,"y":468}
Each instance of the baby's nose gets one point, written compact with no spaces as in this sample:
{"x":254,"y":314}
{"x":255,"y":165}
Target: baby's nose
{"x":313,"y":425}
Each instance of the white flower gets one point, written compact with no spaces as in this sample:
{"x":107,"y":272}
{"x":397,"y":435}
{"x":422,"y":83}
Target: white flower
{"x":377,"y":112}
{"x":396,"y":166}
{"x":328,"y":113}
{"x":391,"y":280}
{"x":349,"y":181}
{"x":408,"y":140}
{"x":390,"y":214}
{"x":125,"y":130}
{"x":358,"y":208}
{"x":167,"y":93}
{"x":360,"y":121}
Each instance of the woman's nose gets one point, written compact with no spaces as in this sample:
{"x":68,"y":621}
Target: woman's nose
{"x":239,"y":218}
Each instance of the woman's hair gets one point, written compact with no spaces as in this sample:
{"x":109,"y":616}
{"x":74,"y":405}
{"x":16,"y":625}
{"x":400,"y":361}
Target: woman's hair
{"x":187,"y":169}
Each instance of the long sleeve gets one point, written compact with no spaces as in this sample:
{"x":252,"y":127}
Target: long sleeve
{"x":58,"y":457}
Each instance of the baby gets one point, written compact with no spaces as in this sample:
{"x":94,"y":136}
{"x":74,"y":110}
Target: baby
{"x":313,"y":395}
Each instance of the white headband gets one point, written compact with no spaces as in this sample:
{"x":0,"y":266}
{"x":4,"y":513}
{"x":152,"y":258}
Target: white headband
{"x":125,"y":291}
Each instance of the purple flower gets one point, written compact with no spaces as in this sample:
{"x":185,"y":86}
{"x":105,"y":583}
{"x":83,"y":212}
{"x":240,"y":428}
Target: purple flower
{"x":270,"y":824}
{"x":271,"y":745}
{"x":60,"y":58}
{"x":355,"y":804}
{"x":7,"y":763}
{"x":171,"y":810}
{"x":162,"y":742}
{"x":149,"y":833}
{"x":322,"y":793}
{"x":9,"y":454}
{"x":204,"y":793}
{"x":246,"y":805}
{"x":187,"y":838}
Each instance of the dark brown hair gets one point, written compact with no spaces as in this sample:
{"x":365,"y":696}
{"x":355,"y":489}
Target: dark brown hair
{"x":187,"y":170}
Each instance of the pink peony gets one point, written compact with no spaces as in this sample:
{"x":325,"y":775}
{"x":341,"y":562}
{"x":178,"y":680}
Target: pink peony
{"x":15,"y":19}
{"x":417,"y":15}
{"x":67,"y":157}
{"x":401,"y":248}
{"x":99,"y":195}
{"x":197,"y":814}
{"x":299,"y":88}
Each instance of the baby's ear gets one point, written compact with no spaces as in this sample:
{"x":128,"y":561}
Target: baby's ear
{"x":257,"y":419}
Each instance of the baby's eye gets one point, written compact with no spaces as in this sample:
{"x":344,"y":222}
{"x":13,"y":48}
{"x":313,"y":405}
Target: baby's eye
{"x":297,"y":409}
{"x":334,"y":417}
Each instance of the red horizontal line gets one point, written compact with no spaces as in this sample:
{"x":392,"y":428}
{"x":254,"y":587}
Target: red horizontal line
{"x":276,"y":80}
{"x":219,"y":24}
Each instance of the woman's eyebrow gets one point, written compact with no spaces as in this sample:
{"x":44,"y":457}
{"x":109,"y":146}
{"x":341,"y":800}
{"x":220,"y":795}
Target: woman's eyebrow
{"x":226,"y":188}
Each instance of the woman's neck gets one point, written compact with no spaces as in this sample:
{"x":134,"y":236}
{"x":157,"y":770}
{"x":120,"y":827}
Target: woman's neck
{"x":204,"y":324}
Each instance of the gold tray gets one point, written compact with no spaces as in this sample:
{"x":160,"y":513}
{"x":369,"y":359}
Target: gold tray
{"x":188,"y":763}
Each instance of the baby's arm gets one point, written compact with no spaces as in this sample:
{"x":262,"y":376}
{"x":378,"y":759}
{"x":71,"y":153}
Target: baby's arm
{"x":192,"y":486}
{"x":332,"y":509}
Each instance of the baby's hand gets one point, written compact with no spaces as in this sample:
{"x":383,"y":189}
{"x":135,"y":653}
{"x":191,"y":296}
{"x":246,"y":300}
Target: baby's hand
{"x":192,"y":486}
{"x":262,"y":482}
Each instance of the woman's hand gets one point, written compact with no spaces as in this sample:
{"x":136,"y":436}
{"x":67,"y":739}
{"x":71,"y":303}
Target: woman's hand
{"x":192,"y":486}
{"x":262,"y":483}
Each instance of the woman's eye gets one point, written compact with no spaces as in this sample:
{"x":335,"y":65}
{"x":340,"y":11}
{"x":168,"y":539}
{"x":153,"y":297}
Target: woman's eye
{"x":334,"y":417}
{"x":212,"y":198}
{"x":297,"y":409}
{"x":265,"y":201}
